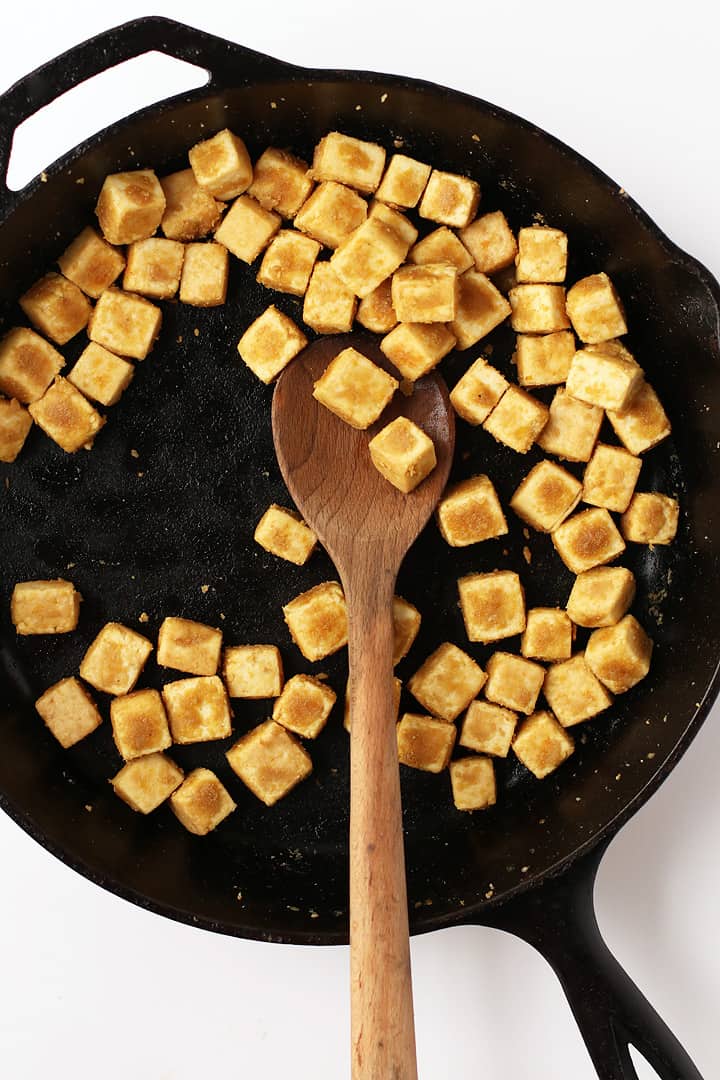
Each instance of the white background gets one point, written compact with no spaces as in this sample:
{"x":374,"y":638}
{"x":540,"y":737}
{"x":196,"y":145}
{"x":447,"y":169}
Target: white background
{"x":90,"y":986}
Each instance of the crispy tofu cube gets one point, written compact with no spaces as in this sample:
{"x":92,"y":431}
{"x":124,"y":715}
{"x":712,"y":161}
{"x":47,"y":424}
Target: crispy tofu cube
{"x":542,"y":744}
{"x":205,"y":273}
{"x":447,"y":682}
{"x":542,"y":255}
{"x":147,"y":782}
{"x":610,"y":477}
{"x":222,"y":165}
{"x":406,"y":624}
{"x":493,"y":605}
{"x":56,"y":307}
{"x":15,"y":424}
{"x":397,"y":691}
{"x":513,"y":682}
{"x":304,"y":706}
{"x":101,"y":375}
{"x":478,"y":391}
{"x":45,"y":607}
{"x":349,"y":161}
{"x":517,"y":419}
{"x":416,"y":348}
{"x":491,"y":242}
{"x":154,"y":267}
{"x":651,"y":518}
{"x":441,"y":246}
{"x":317,"y":620}
{"x":125,"y":324}
{"x":546,"y":496}
{"x":425,"y":743}
{"x":253,"y":671}
{"x":288,"y":262}
{"x":538,"y":309}
{"x":130,"y":206}
{"x":572,"y":428}
{"x":354,"y":389}
{"x":450,"y":199}
{"x":403,"y":182}
{"x":595,"y":309}
{"x":281,"y":182}
{"x":619,"y":656}
{"x":114,"y":660}
{"x":425,"y":294}
{"x":488,"y":728}
{"x":643,"y":424}
{"x":329,"y":306}
{"x":481,"y":307}
{"x":331,"y":214}
{"x":139,"y":724}
{"x":190,"y":213}
{"x":470,"y":512}
{"x":394,"y":220}
{"x":369,"y":255}
{"x":270,"y":343}
{"x":189,"y":646}
{"x":68,"y":711}
{"x":247,"y":228}
{"x":588,"y":539}
{"x":548,"y":635}
{"x":473,"y":783}
{"x":91,"y":263}
{"x":66,"y":417}
{"x":201,"y":802}
{"x":600,"y":597}
{"x":606,"y":375}
{"x":198,"y":709}
{"x":28,"y":364}
{"x":283,"y":533}
{"x":376,"y":312}
{"x":573,"y":693}
{"x":403,"y":454}
{"x":544,"y":359}
{"x":270,"y":761}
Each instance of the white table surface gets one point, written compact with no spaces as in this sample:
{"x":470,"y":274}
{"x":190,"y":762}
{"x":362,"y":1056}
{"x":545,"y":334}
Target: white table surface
{"x":91,"y":986}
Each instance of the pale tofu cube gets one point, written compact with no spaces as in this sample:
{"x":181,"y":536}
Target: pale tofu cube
{"x":544,"y":359}
{"x":542,"y":744}
{"x":280,"y":182}
{"x":517,"y":420}
{"x":491,"y":242}
{"x":643,"y":424}
{"x":283,"y":533}
{"x":470,"y":512}
{"x":610,"y":477}
{"x":488,"y":728}
{"x":572,"y":428}
{"x":450,"y":199}
{"x":478,"y":391}
{"x":189,"y":646}
{"x":542,"y":255}
{"x":425,"y":743}
{"x":66,"y":417}
{"x":595,"y":309}
{"x":329,"y":306}
{"x":403,"y":454}
{"x":139,"y":724}
{"x":394,"y":220}
{"x":375,"y":311}
{"x":101,"y":375}
{"x":651,"y":518}
{"x":493,"y":605}
{"x":441,"y":246}
{"x":425,"y":294}
{"x":45,"y":607}
{"x":15,"y":424}
{"x":269,"y":761}
{"x":190,"y":213}
{"x":513,"y":682}
{"x":205,"y":274}
{"x":247,"y":228}
{"x":130,"y":206}
{"x":354,"y":389}
{"x":331,"y":214}
{"x":404,"y":181}
{"x":588,"y":539}
{"x":56,"y":307}
{"x":573,"y":693}
{"x":473,"y":783}
{"x":600,"y":597}
{"x":447,"y":682}
{"x":28,"y":364}
{"x":619,"y":656}
{"x":222,"y":165}
{"x":145,"y":783}
{"x":253,"y":671}
{"x":270,"y":343}
{"x":350,"y":161}
{"x":154,"y":267}
{"x":397,"y":691}
{"x":125,"y":324}
{"x":198,"y":709}
{"x":317,"y":620}
{"x":538,"y":309}
{"x":481,"y":307}
{"x":201,"y":802}
{"x":606,"y":375}
{"x":91,"y":263}
{"x":369,"y":255}
{"x":548,"y":635}
{"x":114,"y":661}
{"x":406,"y":624}
{"x":68,"y":711}
{"x":546,"y":496}
{"x":288,"y":262}
{"x":304,"y":706}
{"x":416,"y":348}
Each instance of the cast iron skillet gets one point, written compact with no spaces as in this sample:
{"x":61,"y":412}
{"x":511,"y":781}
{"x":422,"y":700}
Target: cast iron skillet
{"x":143,"y":534}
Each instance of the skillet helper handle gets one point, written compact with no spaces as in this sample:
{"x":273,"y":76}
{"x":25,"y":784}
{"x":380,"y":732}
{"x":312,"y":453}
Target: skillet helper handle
{"x":383,"y":1031}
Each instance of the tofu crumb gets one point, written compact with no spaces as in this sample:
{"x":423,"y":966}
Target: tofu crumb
{"x":134,"y":454}
{"x":196,"y":332}
{"x":204,"y":589}
{"x":383,"y":98}
{"x":398,"y":143}
{"x":475,"y":138}
{"x":527,"y":555}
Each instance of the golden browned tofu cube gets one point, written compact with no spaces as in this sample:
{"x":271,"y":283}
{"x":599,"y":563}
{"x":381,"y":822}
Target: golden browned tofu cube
{"x":145,"y":783}
{"x":270,"y":343}
{"x":205,"y":273}
{"x":403,"y":182}
{"x":572,"y":428}
{"x":425,"y":294}
{"x":513,"y":682}
{"x":331,"y":214}
{"x":283,"y":533}
{"x":45,"y":607}
{"x":619,"y":656}
{"x":56,"y":307}
{"x":139,"y":724}
{"x":473,"y":783}
{"x":269,"y":761}
{"x":91,"y":263}
{"x":253,"y":671}
{"x":201,"y":802}
{"x":28,"y":364}
{"x":425,"y":743}
{"x":247,"y":228}
{"x":546,"y":496}
{"x":317,"y":620}
{"x":481,"y":307}
{"x":154,"y":267}
{"x":450,"y":199}
{"x":329,"y":306}
{"x":395,"y":221}
{"x":488,"y":728}
{"x":544,"y":359}
{"x":517,"y":419}
{"x":606,"y":375}
{"x":101,"y":375}
{"x":198,"y":709}
{"x":288,"y":262}
{"x":406,"y":624}
{"x":548,"y":635}
{"x":130,"y":206}
{"x":66,"y":417}
{"x":280,"y":182}
{"x":125,"y":324}
{"x":491,"y":242}
{"x":610,"y":477}
{"x":588,"y":539}
{"x":403,"y":454}
{"x":643,"y":424}
{"x":68,"y":711}
{"x":447,"y":682}
{"x":354,"y":389}
{"x":470,"y":512}
{"x":190,"y":213}
{"x":478,"y":391}
{"x":542,"y":254}
{"x":651,"y":518}
{"x":15,"y":424}
{"x":595,"y":309}
{"x":349,"y":161}
{"x":441,"y":246}
{"x":542,"y":744}
{"x":114,"y":660}
{"x":600,"y":597}
{"x":376,"y":312}
{"x":189,"y":646}
{"x":304,"y":706}
{"x":369,"y":255}
{"x":397,"y":691}
{"x":416,"y":348}
{"x":222,"y":165}
{"x":573,"y":693}
{"x":538,"y":309}
{"x":493,"y":605}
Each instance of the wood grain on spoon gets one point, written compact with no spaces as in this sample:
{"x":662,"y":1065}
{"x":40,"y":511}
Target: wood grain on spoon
{"x":367,"y":526}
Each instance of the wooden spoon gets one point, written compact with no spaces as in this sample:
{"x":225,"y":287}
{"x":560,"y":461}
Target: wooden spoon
{"x":367,"y":526}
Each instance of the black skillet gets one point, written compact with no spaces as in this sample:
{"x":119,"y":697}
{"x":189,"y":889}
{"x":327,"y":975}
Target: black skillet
{"x":144,"y":534}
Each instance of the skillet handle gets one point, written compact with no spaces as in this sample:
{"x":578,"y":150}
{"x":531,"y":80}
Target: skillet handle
{"x":559,"y":920}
